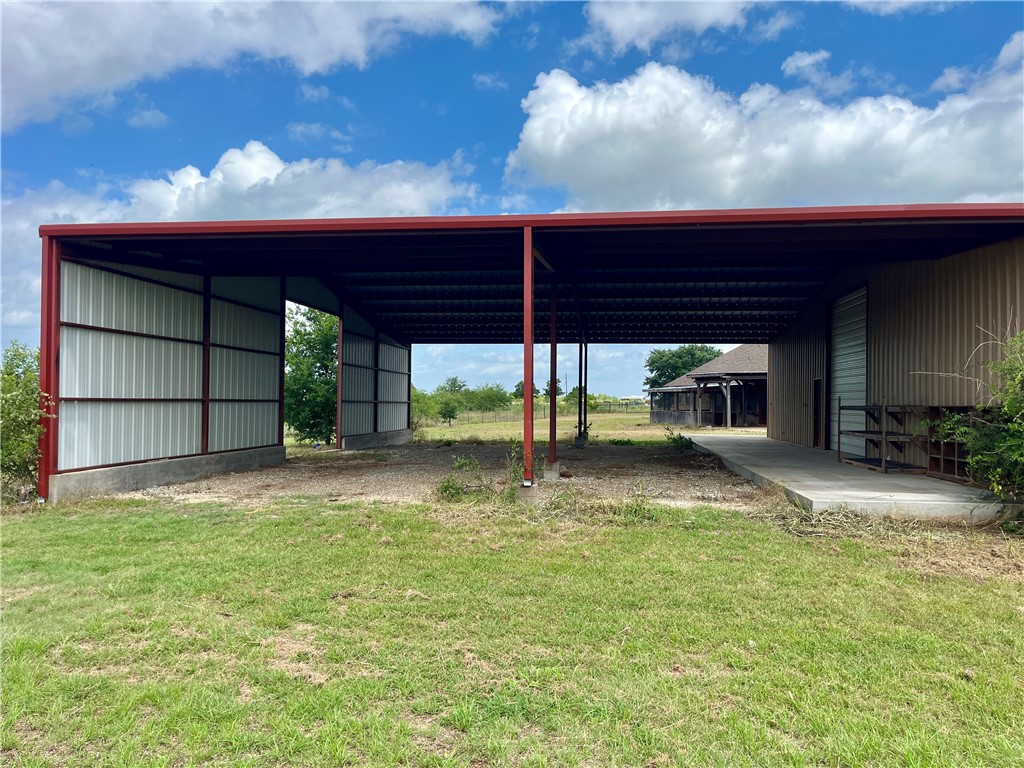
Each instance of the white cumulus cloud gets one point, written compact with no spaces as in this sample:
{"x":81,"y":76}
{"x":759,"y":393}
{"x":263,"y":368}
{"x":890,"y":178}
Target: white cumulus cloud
{"x":251,"y":182}
{"x":666,"y":138}
{"x":624,"y":25}
{"x":59,"y":55}
{"x":812,"y":69}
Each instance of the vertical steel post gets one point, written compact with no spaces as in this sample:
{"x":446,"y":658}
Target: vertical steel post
{"x":341,"y":370}
{"x":49,"y":343}
{"x":527,"y":356}
{"x":553,"y":386}
{"x":586,"y":385}
{"x":579,"y":393}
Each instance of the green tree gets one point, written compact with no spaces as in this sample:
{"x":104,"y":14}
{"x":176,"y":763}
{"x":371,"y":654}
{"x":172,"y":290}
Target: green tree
{"x":487,"y":397}
{"x":558,"y":388}
{"x":311,"y":374}
{"x":665,"y":365}
{"x":20,"y":426}
{"x":453,"y":385}
{"x":448,"y":408}
{"x":520,"y":390}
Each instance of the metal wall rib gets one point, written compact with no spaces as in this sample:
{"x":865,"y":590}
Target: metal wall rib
{"x":242,"y":425}
{"x":106,"y":300}
{"x":100,"y":364}
{"x":239,"y":375}
{"x":99,"y":433}
{"x":236,"y":326}
{"x":183,"y":279}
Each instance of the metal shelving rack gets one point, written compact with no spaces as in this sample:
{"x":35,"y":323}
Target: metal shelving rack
{"x":888,"y":434}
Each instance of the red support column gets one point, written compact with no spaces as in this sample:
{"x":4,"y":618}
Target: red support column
{"x":341,"y":369}
{"x":49,"y":356}
{"x":553,"y":386}
{"x":527,"y":356}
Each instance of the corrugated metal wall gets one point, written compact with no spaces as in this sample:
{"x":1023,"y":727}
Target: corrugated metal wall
{"x":375,"y":379}
{"x":848,"y":369}
{"x":105,"y":374}
{"x":312,"y":293}
{"x":99,"y":433}
{"x":245,"y":362}
{"x":923,"y":316}
{"x":131,"y":364}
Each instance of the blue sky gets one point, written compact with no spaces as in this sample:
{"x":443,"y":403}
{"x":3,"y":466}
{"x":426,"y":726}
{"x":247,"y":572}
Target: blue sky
{"x":181,"y":111}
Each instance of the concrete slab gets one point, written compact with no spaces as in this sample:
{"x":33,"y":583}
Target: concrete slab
{"x":552,"y":471}
{"x":816,"y":481}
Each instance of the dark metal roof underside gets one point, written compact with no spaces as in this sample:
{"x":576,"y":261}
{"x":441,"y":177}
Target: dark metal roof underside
{"x":667,"y":279}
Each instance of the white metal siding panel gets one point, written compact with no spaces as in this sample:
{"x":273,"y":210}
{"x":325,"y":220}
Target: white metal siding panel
{"x":94,"y":297}
{"x":243,"y":327}
{"x":394,"y":358}
{"x":356,"y":384}
{"x":356,"y":324}
{"x":312,"y":293}
{"x":115,"y":365}
{"x":242,"y":425}
{"x":356,"y":350}
{"x":235,"y":374}
{"x":183,"y":279}
{"x":357,"y":419}
{"x":258,"y":291}
{"x":391,"y":416}
{"x":393,"y":386}
{"x":92,"y":434}
{"x":849,"y":366}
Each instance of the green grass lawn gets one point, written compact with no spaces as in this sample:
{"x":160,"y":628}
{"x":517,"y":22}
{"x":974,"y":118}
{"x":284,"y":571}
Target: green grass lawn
{"x":309,"y":633}
{"x":634,"y":426}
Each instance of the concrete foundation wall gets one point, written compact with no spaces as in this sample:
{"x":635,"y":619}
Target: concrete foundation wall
{"x":132,"y":477}
{"x":377,"y":440}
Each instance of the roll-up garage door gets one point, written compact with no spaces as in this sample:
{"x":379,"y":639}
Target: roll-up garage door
{"x":849,"y":366}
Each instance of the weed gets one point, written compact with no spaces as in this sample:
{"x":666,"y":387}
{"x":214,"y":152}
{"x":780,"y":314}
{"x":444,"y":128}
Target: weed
{"x":620,"y":441}
{"x":678,"y":440}
{"x":465,"y":481}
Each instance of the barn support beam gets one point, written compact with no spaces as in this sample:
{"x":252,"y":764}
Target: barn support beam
{"x":49,"y":343}
{"x":527,"y":357}
{"x":552,"y":470}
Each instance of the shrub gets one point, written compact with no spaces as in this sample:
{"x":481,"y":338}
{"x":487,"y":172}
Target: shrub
{"x":20,"y":428}
{"x":678,"y":440}
{"x":993,"y":435}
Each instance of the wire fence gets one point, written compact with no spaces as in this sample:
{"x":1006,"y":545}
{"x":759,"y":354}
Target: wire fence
{"x":540,"y":412}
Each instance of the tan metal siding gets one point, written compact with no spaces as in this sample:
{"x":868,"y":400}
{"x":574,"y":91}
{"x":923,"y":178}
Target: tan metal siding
{"x":928,"y":320}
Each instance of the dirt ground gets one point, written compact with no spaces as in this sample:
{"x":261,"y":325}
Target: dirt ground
{"x":411,"y":473}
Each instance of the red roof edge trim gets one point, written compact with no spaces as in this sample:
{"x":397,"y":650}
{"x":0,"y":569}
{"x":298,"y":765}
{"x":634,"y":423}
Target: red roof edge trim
{"x":836,"y":214}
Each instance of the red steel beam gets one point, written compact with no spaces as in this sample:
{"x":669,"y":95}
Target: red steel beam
{"x":852,"y":213}
{"x":49,"y":381}
{"x":553,"y":386}
{"x":527,"y":356}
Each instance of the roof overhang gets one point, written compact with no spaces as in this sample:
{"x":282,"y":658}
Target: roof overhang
{"x":723,"y":276}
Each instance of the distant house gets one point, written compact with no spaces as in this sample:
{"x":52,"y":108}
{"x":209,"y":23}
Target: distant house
{"x":731,"y":389}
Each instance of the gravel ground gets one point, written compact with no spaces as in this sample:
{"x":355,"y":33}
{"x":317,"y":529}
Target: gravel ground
{"x":411,"y":473}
